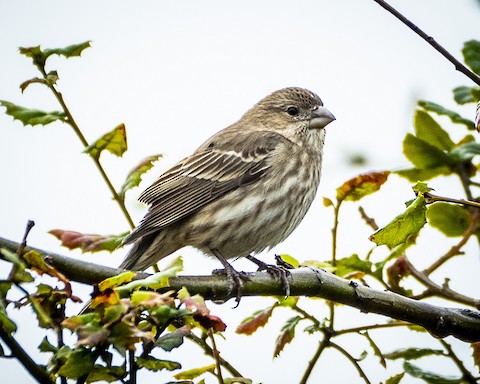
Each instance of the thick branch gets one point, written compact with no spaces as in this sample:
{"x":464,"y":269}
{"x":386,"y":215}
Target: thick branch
{"x":463,"y":324}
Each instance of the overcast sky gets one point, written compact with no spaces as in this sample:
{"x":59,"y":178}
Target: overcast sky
{"x":177,"y":72}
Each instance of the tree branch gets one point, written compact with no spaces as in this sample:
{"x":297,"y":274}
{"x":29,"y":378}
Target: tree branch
{"x":463,"y":324}
{"x":430,"y":40}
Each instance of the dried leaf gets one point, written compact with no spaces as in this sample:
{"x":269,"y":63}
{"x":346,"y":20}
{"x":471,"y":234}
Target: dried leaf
{"x":286,"y":335}
{"x":361,"y":186}
{"x":258,"y":319}
{"x":88,"y":242}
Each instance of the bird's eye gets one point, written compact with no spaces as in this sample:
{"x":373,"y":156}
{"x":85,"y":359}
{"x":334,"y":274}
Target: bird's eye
{"x":292,"y":111}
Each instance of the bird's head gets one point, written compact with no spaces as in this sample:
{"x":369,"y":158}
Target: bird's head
{"x":291,"y":107}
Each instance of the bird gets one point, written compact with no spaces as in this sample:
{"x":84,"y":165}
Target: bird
{"x":242,"y":191}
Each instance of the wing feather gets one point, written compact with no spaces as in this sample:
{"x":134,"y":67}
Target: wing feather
{"x":211,"y":172}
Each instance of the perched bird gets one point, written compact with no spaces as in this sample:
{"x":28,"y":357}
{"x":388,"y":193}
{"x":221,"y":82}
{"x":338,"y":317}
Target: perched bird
{"x":242,"y":191}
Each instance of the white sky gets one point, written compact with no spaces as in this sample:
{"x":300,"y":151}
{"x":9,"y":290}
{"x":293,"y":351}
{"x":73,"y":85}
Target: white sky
{"x":177,"y":72}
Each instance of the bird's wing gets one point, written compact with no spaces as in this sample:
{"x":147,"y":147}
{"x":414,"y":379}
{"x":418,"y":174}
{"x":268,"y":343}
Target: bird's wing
{"x":225,"y":162}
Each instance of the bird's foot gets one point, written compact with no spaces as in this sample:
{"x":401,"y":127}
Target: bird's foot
{"x":279,"y":272}
{"x":235,"y":279}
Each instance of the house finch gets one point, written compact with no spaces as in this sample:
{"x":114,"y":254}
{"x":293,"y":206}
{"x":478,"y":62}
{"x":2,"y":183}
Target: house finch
{"x":242,"y":191}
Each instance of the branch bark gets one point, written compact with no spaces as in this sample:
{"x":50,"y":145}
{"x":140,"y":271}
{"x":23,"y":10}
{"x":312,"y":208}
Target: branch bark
{"x":463,"y":324}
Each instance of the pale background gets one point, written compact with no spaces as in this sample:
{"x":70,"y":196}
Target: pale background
{"x":177,"y":72}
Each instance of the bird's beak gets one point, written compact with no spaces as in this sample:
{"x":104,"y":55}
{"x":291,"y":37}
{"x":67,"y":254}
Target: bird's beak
{"x":321,"y":118}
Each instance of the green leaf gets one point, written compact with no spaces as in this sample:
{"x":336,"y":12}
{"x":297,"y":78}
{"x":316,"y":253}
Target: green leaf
{"x":134,"y":177}
{"x":464,"y":95}
{"x":423,"y":154}
{"x":40,"y":56}
{"x":32,"y":116}
{"x":155,"y":281}
{"x":46,"y":346}
{"x":376,"y":349}
{"x":471,"y":55}
{"x":114,"y":142}
{"x":195,"y":372}
{"x":108,"y":374}
{"x":412,"y":353}
{"x":352,"y":264}
{"x":454,"y":117}
{"x":415,"y":174}
{"x":289,"y":259}
{"x":404,"y":227}
{"x":427,"y":128}
{"x":361,"y":186}
{"x":466,"y":151}
{"x":450,"y":219}
{"x":116,"y":281}
{"x":153,"y":364}
{"x":6,"y":323}
{"x":286,"y":335}
{"x":429,"y":377}
{"x":75,"y":363}
{"x":395,"y":379}
{"x":170,"y":341}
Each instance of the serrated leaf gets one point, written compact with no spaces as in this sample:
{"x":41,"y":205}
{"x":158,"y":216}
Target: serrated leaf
{"x":476,"y":353}
{"x":471,"y":55}
{"x":444,"y":138}
{"x":404,"y":226}
{"x":88,"y":242}
{"x":32,"y":116}
{"x":464,"y":95}
{"x":429,"y":377}
{"x":114,"y":142}
{"x":134,"y":177}
{"x":195,"y":372}
{"x":424,"y":155}
{"x":412,"y":353}
{"x":40,"y":56}
{"x":115,"y":281}
{"x":450,"y":219}
{"x":258,"y":319}
{"x":286,"y":335}
{"x":361,"y":186}
{"x":427,"y":128}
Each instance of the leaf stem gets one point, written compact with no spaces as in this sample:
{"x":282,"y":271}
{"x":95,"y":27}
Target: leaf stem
{"x":71,"y":121}
{"x":431,"y":198}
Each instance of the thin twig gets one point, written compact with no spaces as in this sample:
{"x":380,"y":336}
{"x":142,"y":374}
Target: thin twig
{"x":441,"y":291}
{"x":370,"y":327}
{"x":455,"y":250}
{"x":431,"y":198}
{"x":71,"y":121}
{"x":321,"y":347}
{"x":430,"y":40}
{"x":466,"y":375}
{"x":209,"y":351}
{"x":31,"y":366}
{"x":216,"y":356}
{"x":369,"y":220}
{"x":30,"y":225}
{"x":352,"y":360}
